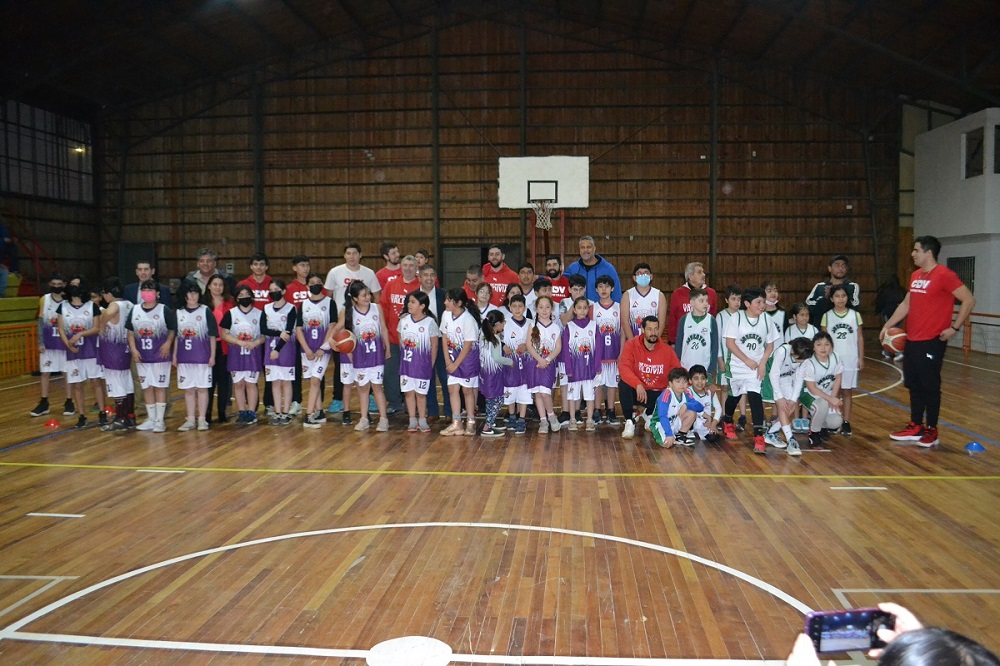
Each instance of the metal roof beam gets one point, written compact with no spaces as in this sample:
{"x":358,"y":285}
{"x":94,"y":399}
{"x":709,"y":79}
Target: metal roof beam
{"x":304,"y":20}
{"x":732,"y":25}
{"x":258,"y":28}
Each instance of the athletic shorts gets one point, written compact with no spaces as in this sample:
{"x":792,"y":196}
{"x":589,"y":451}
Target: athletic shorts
{"x":849,"y":380}
{"x":247,"y":376}
{"x":517,"y":395}
{"x":279,"y":373}
{"x":81,"y":369}
{"x":414,"y":384}
{"x":52,"y":360}
{"x":315,"y":368}
{"x":194,"y":376}
{"x":609,"y":375}
{"x":544,"y":390}
{"x":700,"y":428}
{"x":366,"y":376}
{"x":119,"y":382}
{"x":744,"y":385}
{"x":580,"y":390}
{"x":153,"y":375}
{"x":768,"y":394}
{"x":721,"y":379}
{"x":471,"y":382}
{"x":561,"y":378}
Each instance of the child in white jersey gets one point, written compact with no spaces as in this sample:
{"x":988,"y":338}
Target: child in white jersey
{"x":822,"y":376}
{"x":317,"y":322}
{"x":733,"y":294}
{"x":419,"y":337}
{"x":844,"y":326}
{"x":697,"y":335}
{"x":771,"y":306}
{"x":799,"y":327}
{"x":783,"y":387}
{"x":366,"y":364}
{"x":706,"y":425}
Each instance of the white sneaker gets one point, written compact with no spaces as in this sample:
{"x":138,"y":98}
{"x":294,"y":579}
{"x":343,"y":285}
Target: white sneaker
{"x":202,"y":424}
{"x":773,"y":440}
{"x":159,"y":426}
{"x":295,"y":409}
{"x":628,"y":432}
{"x":146,"y":425}
{"x":554,"y":425}
{"x":543,"y":426}
{"x":362,"y":426}
{"x":383,"y":425}
{"x":793,"y":448}
{"x":270,"y":412}
{"x":187,"y":425}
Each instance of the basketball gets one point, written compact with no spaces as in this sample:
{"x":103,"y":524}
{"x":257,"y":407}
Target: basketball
{"x":345,"y":342}
{"x":894,"y":341}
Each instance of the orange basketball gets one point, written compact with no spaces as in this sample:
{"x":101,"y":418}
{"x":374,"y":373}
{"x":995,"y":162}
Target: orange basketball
{"x":894,"y":341}
{"x":345,"y":342}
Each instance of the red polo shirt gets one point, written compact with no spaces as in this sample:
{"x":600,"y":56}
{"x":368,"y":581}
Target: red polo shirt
{"x":498,"y":279}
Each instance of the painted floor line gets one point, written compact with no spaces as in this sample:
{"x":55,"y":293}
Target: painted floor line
{"x":13,"y":629}
{"x":944,"y":424}
{"x":858,"y":488}
{"x":11,"y":388}
{"x":363,"y":654}
{"x":884,"y":388}
{"x":57,"y":515}
{"x":53,"y":581}
{"x":974,"y":367}
{"x":522,"y":475}
{"x":161,"y":471}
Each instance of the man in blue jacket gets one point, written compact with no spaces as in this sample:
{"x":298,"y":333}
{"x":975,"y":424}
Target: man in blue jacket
{"x":592,"y":266}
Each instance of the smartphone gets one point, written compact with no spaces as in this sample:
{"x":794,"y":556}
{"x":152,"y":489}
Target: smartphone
{"x":848,"y":630}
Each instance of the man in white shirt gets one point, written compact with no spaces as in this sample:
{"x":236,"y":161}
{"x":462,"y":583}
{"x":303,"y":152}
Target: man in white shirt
{"x":340,"y":277}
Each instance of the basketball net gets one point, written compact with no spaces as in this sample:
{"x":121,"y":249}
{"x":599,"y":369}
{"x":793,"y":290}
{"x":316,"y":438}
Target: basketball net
{"x":543,"y":213}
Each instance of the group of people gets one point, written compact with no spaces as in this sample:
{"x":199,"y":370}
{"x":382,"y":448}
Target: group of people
{"x":505,"y":340}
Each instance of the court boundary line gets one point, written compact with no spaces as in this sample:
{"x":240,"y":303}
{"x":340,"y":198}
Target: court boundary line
{"x":53,"y":581}
{"x":13,"y":631}
{"x":513,"y":475}
{"x":842,"y":592}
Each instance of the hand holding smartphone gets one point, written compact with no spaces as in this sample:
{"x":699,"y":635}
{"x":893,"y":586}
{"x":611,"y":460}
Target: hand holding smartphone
{"x":848,"y":630}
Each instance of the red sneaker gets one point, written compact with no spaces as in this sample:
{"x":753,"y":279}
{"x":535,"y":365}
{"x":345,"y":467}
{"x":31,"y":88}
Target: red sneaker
{"x":759,"y":445}
{"x":730,"y":430}
{"x":930,"y":438}
{"x":911,"y":433}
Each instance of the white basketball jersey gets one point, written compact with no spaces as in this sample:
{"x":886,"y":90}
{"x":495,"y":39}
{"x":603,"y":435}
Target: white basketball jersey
{"x":752,"y":338}
{"x":640,"y":307}
{"x":844,"y":331}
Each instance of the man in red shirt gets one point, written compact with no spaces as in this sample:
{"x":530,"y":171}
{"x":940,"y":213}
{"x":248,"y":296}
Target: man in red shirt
{"x":392,"y":300}
{"x":680,"y":300}
{"x":473,"y":278}
{"x":560,"y":283}
{"x":643,"y":366}
{"x":497,"y":274}
{"x":297,"y":291}
{"x":929,"y":303}
{"x":391,"y":270}
{"x":259,"y":281}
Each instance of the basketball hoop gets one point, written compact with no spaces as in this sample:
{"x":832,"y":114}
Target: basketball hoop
{"x":543,"y":213}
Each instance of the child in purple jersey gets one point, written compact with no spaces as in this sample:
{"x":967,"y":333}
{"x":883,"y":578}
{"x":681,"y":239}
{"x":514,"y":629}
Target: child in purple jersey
{"x":241,"y":328}
{"x":492,"y":363}
{"x":151,"y":330}
{"x":318,"y":322}
{"x":545,"y":343}
{"x":278,"y":326}
{"x":583,"y":359}
{"x":79,"y":326}
{"x":366,"y":364}
{"x":116,"y":357}
{"x":194,"y":355}
{"x":608,"y":319}
{"x":517,"y":396}
{"x":460,"y":332}
{"x":419,"y":337}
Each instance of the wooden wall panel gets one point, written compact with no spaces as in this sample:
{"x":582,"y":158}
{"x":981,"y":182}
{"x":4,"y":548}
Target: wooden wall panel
{"x":348,"y":155}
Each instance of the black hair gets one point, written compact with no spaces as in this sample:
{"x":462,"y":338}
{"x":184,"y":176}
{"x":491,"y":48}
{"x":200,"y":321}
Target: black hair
{"x":577,"y":280}
{"x":279,"y":283}
{"x":697,"y":369}
{"x":353,"y":245}
{"x":838,"y":287}
{"x":536,"y":335}
{"x":797,"y":308}
{"x":494,"y":245}
{"x":553,"y":257}
{"x":385,"y":247}
{"x":604,"y":279}
{"x":749,"y":295}
{"x":733,"y":290}
{"x":427,"y":255}
{"x":240,"y":289}
{"x":458,"y":295}
{"x":260,"y":256}
{"x":695,"y":292}
{"x":822,"y":335}
{"x":492,"y":318}
{"x":639,"y":266}
{"x":928,"y":244}
{"x":475,"y":269}
{"x":150,"y":284}
{"x":677,"y":373}
{"x":56,"y":275}
{"x":933,"y":646}
{"x":313,"y":275}
{"x":516,"y":298}
{"x":526,"y":264}
{"x":299,"y":258}
{"x":188,"y":287}
{"x":801,"y":348}
{"x":113,"y":286}
{"x":647,"y":319}
{"x":420,"y":297}
{"x":353,"y":291}
{"x":581,"y":298}
{"x":540,"y":283}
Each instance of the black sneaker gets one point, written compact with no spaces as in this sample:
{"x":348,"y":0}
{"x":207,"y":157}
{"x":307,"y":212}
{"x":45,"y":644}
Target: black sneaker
{"x":68,"y":408}
{"x":42,"y":409}
{"x":741,"y":424}
{"x":116,"y":426}
{"x":102,"y":418}
{"x":564,"y":417}
{"x":347,"y":418}
{"x":612,"y":417}
{"x":845,"y":429}
{"x":824,"y":434}
{"x":816,"y":442}
{"x":81,"y":422}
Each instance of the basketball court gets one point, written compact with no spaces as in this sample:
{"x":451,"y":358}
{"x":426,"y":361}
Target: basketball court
{"x":269,"y":544}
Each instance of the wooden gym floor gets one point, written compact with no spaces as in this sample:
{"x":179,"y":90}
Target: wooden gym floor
{"x":281,"y":545}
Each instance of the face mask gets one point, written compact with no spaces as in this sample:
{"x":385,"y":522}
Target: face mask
{"x":147,"y":296}
{"x":643,"y":280}
{"x":771,"y":303}
{"x":275,"y":295}
{"x":552,"y":273}
{"x":245,"y":302}
{"x":315,"y":289}
{"x":57,"y":291}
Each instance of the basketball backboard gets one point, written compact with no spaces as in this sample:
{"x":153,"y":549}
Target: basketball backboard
{"x":562,"y":180}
